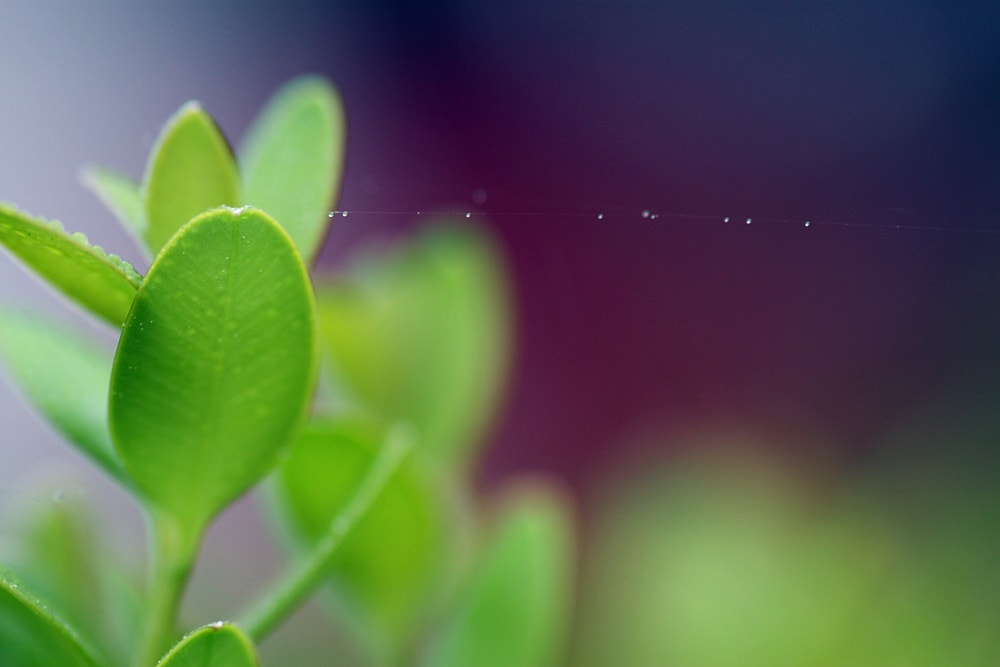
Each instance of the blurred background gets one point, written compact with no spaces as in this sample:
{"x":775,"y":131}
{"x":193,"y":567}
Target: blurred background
{"x":821,"y":366}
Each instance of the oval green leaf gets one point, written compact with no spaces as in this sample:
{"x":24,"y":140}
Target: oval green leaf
{"x":216,"y":645}
{"x":517,"y":606}
{"x":121,"y":195}
{"x":65,"y":377}
{"x":292,"y":159}
{"x":31,"y":634}
{"x":423,"y":335}
{"x":387,"y":569}
{"x":215,"y":365}
{"x":104,"y":284}
{"x":191,"y":169}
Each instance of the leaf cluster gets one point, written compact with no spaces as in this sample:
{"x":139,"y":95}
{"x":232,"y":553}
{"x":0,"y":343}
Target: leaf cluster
{"x":212,"y":389}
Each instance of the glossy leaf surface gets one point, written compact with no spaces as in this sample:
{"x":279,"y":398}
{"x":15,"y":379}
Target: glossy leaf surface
{"x":292,"y":159}
{"x":104,"y":284}
{"x":516,"y":609}
{"x":215,"y":365}
{"x":215,"y":645}
{"x":121,"y":195}
{"x":32,"y":635}
{"x":65,"y":376}
{"x":422,"y":336}
{"x":190,"y":170}
{"x":386,"y":567}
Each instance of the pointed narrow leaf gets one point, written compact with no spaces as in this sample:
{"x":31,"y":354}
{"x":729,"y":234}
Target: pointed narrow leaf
{"x":215,"y":365}
{"x":66,"y":378}
{"x":423,"y":335}
{"x":190,"y":170}
{"x":292,"y":159}
{"x":516,"y":610}
{"x":216,"y":645}
{"x":31,"y":634}
{"x":386,"y":571}
{"x":104,"y":284}
{"x":121,"y":195}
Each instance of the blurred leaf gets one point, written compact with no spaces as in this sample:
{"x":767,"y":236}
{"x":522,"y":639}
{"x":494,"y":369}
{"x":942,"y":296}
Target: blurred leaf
{"x":191,"y":169}
{"x":216,"y":645}
{"x":215,"y":365}
{"x":517,"y":608}
{"x":389,"y":568}
{"x":422,"y":335}
{"x":66,"y":378}
{"x":731,"y":557}
{"x":61,"y":558}
{"x":293,"y":157}
{"x":31,"y":635}
{"x":104,"y":284}
{"x":121,"y":195}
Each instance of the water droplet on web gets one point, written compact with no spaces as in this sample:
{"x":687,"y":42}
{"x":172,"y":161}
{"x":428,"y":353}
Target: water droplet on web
{"x":654,"y":216}
{"x":468,"y":215}
{"x":343,"y":214}
{"x":749,"y":220}
{"x":807,"y":223}
{"x":726,"y":219}
{"x":600,"y":216}
{"x":645,"y":213}
{"x":331,"y":214}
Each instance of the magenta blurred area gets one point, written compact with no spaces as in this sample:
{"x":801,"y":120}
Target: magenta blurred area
{"x":559,"y":123}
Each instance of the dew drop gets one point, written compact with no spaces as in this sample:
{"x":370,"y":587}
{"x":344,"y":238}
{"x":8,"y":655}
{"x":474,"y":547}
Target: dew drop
{"x":645,"y":213}
{"x":343,"y":214}
{"x":807,"y":223}
{"x":654,"y":216}
{"x":600,"y":216}
{"x":726,"y":219}
{"x":331,"y":214}
{"x":468,"y":215}
{"x":217,"y":625}
{"x":749,"y":220}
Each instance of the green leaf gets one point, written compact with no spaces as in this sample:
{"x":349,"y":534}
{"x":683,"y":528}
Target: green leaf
{"x":517,"y":606}
{"x":215,"y":365}
{"x":62,"y":556}
{"x":216,"y":645}
{"x":121,"y":195}
{"x":422,"y":335}
{"x":65,"y":377}
{"x":104,"y":284}
{"x":32,"y":635}
{"x":191,"y":169}
{"x":387,"y":569}
{"x":293,"y":157}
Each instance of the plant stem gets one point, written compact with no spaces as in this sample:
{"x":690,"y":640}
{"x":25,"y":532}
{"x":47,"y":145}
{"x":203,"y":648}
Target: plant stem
{"x":298,"y":582}
{"x":172,"y":553}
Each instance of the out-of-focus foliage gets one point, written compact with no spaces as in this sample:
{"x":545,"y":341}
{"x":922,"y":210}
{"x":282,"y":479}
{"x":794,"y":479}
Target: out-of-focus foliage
{"x":730,"y":556}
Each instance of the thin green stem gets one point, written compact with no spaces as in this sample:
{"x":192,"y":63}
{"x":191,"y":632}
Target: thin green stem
{"x":298,"y":582}
{"x":172,"y":553}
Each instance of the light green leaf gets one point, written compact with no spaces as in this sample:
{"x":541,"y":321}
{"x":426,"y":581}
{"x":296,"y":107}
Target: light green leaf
{"x":121,"y":195}
{"x":104,"y":284}
{"x":215,"y":365}
{"x":216,"y":645}
{"x":517,"y":607}
{"x":65,"y":377}
{"x":386,"y":571}
{"x":422,"y":335}
{"x":292,"y":159}
{"x":191,"y":169}
{"x":32,"y":635}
